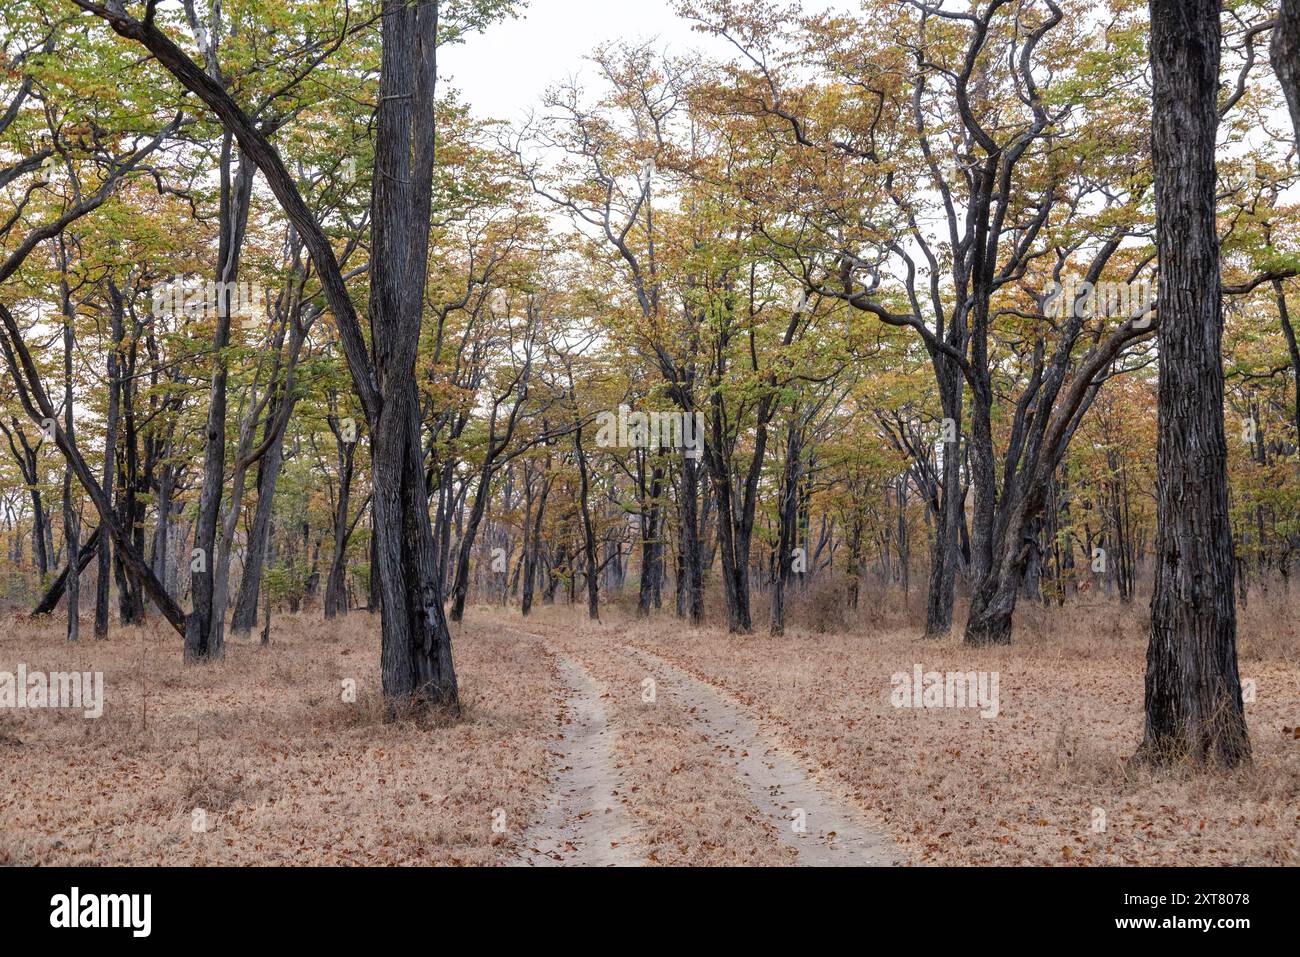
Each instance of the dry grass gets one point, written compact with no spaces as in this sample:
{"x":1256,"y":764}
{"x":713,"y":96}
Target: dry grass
{"x":954,"y":788}
{"x":286,"y":772}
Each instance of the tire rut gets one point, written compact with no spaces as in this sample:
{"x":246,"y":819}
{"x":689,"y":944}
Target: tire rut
{"x":584,"y":823}
{"x":831,"y":835}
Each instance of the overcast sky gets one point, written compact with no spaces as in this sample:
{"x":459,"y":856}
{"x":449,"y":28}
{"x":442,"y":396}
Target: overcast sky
{"x":504,"y":70}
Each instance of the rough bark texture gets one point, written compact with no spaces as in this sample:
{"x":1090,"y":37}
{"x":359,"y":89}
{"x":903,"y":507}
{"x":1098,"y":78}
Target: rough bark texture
{"x":1194,"y":709}
{"x":588,"y":531}
{"x":110,"y":468}
{"x":691,"y":576}
{"x":1286,"y":56}
{"x":942,"y":584}
{"x":416,"y":654}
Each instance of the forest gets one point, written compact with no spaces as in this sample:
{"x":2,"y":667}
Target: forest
{"x":906,"y":392}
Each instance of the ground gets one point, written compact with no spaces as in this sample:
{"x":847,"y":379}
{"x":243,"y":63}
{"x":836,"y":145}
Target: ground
{"x":631,"y":741}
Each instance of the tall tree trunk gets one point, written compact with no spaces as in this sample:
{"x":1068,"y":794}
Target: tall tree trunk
{"x":110,"y":457}
{"x":130,"y":508}
{"x":1194,"y":709}
{"x":244,"y":617}
{"x":588,"y":532}
{"x":460,"y":585}
{"x":942,"y":583}
{"x":787,"y":517}
{"x":39,"y":535}
{"x":415,"y":655}
{"x":651,"y":546}
{"x":1286,"y":57}
{"x":691,"y":588}
{"x":533,"y":550}
{"x":205,"y":627}
{"x":336,"y":599}
{"x":71,"y":519}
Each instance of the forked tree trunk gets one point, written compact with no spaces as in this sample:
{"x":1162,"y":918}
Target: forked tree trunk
{"x":205,"y":626}
{"x":1194,"y":709}
{"x":415,"y":656}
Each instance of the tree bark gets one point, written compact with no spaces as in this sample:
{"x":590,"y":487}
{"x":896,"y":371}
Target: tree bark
{"x":205,"y":627}
{"x":244,"y":618}
{"x":415,"y":656}
{"x":1194,"y":709}
{"x":1285,"y":54}
{"x":50,"y":600}
{"x":336,"y":599}
{"x":110,"y":456}
{"x":588,"y":533}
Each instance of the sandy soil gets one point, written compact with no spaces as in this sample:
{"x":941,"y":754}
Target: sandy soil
{"x":584,"y":823}
{"x":822,"y":831}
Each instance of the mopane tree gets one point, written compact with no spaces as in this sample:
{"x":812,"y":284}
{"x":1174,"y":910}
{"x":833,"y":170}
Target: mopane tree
{"x":1286,"y":56}
{"x":1194,"y":708}
{"x":416,"y":660}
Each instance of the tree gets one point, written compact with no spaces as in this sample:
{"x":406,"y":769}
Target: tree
{"x":1285,"y":54}
{"x":1194,"y":709}
{"x":416,"y":660}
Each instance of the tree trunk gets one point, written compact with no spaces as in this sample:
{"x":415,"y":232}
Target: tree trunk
{"x":336,"y":599}
{"x":460,"y":585}
{"x":1194,"y":708}
{"x":588,"y":533}
{"x":692,"y":574}
{"x":533,"y":549}
{"x":71,"y":519}
{"x":110,"y":460}
{"x":1286,"y":57}
{"x":50,"y":600}
{"x":415,"y":654}
{"x":941,"y":587}
{"x":244,"y":618}
{"x":651,"y":518}
{"x":205,"y":627}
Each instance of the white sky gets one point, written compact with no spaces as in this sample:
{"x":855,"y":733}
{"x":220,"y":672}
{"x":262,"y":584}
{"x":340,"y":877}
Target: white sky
{"x":503,"y":71}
